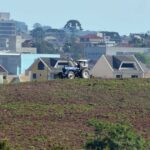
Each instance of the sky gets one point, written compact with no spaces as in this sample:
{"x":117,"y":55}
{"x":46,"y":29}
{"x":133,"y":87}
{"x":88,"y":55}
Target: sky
{"x":123,"y":16}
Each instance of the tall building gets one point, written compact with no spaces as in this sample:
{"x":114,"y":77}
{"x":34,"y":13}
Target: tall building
{"x":7,"y":31}
{"x":4,"y":16}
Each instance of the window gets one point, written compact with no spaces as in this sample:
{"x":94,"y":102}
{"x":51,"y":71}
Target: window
{"x":118,"y":76}
{"x":4,"y":77}
{"x":134,"y":76}
{"x":127,"y":65}
{"x":40,"y":66}
{"x":62,"y":64}
{"x":34,"y":75}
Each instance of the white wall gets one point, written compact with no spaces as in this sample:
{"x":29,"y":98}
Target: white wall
{"x":102,"y":69}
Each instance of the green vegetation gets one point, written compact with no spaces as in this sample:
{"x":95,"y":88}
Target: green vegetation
{"x":110,"y":136}
{"x":4,"y":145}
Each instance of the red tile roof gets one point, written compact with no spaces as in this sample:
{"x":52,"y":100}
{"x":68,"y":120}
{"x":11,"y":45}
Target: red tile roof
{"x":90,"y":36}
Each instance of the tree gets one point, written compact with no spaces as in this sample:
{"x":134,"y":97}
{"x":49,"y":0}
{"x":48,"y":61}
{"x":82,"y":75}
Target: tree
{"x":73,"y":25}
{"x":37,"y":25}
{"x":75,"y":49}
{"x":37,"y":34}
{"x":45,"y":47}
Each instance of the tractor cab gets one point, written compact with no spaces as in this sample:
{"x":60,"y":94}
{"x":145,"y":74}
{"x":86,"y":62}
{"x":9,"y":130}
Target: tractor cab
{"x":82,"y":63}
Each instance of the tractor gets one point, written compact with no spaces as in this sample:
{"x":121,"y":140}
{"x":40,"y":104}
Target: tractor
{"x":79,"y":70}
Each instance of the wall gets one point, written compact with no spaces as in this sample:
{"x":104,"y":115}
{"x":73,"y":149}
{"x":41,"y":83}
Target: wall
{"x":16,"y":64}
{"x":128,"y":73}
{"x":11,"y":62}
{"x":1,"y":79}
{"x":94,"y":53}
{"x":40,"y":74}
{"x":125,"y":50}
{"x":28,"y":59}
{"x":102,"y":69}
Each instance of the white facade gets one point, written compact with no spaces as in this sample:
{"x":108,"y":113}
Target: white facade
{"x":103,"y":69}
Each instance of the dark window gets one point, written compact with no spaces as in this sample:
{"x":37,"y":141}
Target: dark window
{"x":134,"y":76}
{"x":34,"y":76}
{"x":4,"y":77}
{"x":63,"y":64}
{"x":118,"y":76}
{"x":40,"y":66}
{"x":127,"y":65}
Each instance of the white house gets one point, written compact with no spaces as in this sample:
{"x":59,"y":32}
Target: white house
{"x":118,"y":67}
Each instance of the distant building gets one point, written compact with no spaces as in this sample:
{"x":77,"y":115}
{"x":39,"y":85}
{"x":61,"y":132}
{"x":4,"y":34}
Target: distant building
{"x":16,"y":63}
{"x":94,"y":53}
{"x":7,"y":31}
{"x":118,"y":67}
{"x":118,"y":50}
{"x":4,"y":16}
{"x":109,"y":36}
{"x":91,"y":40}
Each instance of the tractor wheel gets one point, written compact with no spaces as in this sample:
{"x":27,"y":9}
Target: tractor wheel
{"x":71,"y":75}
{"x":85,"y":74}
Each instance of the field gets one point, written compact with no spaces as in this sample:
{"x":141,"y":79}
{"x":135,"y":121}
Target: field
{"x":54,"y":115}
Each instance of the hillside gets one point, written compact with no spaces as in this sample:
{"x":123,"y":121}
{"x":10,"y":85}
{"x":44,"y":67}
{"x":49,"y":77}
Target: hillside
{"x":54,"y":115}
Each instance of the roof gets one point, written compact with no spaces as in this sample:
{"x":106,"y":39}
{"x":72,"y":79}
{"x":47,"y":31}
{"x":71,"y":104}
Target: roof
{"x":50,"y":62}
{"x":90,"y":36}
{"x":2,"y":69}
{"x":145,"y":67}
{"x":115,"y":61}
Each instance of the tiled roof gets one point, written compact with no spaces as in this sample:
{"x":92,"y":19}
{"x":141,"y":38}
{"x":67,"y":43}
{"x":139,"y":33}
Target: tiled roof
{"x":90,"y":36}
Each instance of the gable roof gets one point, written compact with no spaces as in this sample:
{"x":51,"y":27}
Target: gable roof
{"x":50,"y":62}
{"x":3,"y":70}
{"x":115,"y":61}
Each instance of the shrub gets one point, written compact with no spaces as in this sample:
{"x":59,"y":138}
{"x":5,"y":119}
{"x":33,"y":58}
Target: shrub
{"x":109,"y":136}
{"x":4,"y":145}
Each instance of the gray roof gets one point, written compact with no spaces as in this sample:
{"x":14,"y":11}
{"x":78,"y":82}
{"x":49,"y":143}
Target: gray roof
{"x":115,"y":61}
{"x":2,"y":69}
{"x":51,"y":62}
{"x":145,"y":67}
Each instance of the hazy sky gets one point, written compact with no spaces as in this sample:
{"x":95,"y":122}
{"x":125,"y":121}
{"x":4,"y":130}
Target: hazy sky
{"x":124,"y":16}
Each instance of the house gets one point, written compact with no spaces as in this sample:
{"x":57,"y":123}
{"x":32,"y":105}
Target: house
{"x":46,"y":68}
{"x":91,"y":40}
{"x":17,"y":63}
{"x":118,"y":67}
{"x":41,"y":69}
{"x":3,"y":75}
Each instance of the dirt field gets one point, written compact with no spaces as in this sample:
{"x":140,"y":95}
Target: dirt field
{"x":54,"y":115}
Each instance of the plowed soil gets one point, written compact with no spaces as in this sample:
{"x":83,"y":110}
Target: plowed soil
{"x":55,"y":114}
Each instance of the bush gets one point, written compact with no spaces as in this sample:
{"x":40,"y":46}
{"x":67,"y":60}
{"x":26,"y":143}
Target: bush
{"x":4,"y":145}
{"x":110,"y":136}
